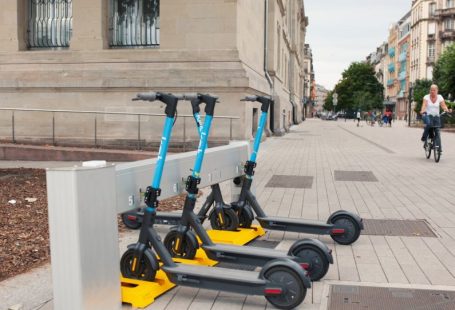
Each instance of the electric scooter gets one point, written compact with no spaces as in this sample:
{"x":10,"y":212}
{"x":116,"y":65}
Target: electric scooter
{"x":282,"y":281}
{"x":181,"y":241}
{"x":343,"y":226}
{"x":221,"y":215}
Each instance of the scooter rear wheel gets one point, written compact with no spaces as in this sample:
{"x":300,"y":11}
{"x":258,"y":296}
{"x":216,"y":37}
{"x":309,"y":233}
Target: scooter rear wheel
{"x":231,"y":222}
{"x":129,"y":219}
{"x":294,"y":291}
{"x":351,"y":230}
{"x":188,"y":248}
{"x":146,"y":270}
{"x":318,"y":264}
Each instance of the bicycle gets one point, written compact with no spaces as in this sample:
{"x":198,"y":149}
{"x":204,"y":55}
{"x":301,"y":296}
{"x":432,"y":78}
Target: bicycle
{"x":433,"y":140}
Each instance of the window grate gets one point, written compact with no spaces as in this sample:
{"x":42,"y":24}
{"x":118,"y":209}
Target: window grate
{"x":135,"y":23}
{"x":50,"y":23}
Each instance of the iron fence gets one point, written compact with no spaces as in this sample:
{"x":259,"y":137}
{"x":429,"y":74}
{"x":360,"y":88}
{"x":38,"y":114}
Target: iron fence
{"x":95,"y":115}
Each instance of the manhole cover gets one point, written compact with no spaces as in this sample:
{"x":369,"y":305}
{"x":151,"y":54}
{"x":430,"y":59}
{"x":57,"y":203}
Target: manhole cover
{"x":290,"y":181}
{"x":358,"y":176}
{"x":256,"y":243}
{"x":410,"y":228}
{"x":346,"y":297}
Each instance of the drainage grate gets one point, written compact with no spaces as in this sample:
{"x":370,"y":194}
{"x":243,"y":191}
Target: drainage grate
{"x":410,"y":228}
{"x":358,"y":176}
{"x":346,"y":297}
{"x":256,"y":243}
{"x":290,"y":181}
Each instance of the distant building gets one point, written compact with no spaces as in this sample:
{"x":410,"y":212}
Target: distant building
{"x":321,"y":95}
{"x":432,"y":30}
{"x":309,"y":82}
{"x":403,"y":65}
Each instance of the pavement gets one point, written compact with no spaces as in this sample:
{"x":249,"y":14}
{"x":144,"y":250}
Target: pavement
{"x":408,"y":186}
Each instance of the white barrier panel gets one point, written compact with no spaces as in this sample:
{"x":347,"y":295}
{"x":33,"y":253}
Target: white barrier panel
{"x":220,"y":164}
{"x":83,"y":203}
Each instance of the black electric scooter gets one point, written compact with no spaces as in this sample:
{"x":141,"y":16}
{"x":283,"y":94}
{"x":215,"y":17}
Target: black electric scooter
{"x":181,"y":241}
{"x":343,"y":226}
{"x":282,"y":281}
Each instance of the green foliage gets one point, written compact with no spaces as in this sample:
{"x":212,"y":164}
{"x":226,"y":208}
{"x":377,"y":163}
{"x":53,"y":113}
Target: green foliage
{"x":444,"y":72}
{"x":359,"y":89}
{"x":328,"y":103}
{"x":421,"y":88}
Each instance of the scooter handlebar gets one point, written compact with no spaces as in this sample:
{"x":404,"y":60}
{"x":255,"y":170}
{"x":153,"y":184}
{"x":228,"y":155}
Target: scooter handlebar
{"x":151,"y":96}
{"x":250,"y":98}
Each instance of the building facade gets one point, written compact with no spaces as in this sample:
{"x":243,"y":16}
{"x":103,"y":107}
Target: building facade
{"x":403,"y":63}
{"x":309,"y":82}
{"x":97,"y":54}
{"x":392,"y":68}
{"x":321,"y":96}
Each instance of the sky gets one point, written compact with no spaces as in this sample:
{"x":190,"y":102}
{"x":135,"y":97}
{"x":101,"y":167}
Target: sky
{"x":343,"y":31}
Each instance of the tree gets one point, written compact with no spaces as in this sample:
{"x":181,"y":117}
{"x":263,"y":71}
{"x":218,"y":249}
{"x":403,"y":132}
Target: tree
{"x":359,"y":89}
{"x":328,"y":103}
{"x":421,"y":88}
{"x":444,"y":72}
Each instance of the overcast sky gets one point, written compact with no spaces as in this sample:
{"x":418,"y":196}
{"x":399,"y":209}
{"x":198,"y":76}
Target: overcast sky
{"x":343,"y":31}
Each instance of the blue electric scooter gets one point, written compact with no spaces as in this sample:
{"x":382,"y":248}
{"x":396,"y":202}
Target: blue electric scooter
{"x":282,"y":281}
{"x":343,"y":226}
{"x":181,"y":241}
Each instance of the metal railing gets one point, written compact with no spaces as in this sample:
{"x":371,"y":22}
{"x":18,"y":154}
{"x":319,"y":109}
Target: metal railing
{"x":95,"y":121}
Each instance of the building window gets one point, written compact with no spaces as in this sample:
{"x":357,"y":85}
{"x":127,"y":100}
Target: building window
{"x":432,"y":9}
{"x":49,"y":23}
{"x":449,"y":4}
{"x":135,"y":23}
{"x":431,"y":51}
{"x":448,"y":24}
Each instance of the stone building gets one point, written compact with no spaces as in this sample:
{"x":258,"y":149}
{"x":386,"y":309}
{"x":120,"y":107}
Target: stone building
{"x":433,"y":29}
{"x":95,"y":55}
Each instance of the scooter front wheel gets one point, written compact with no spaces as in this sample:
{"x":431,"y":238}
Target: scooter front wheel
{"x":145,"y":265}
{"x":351,"y":230}
{"x":245,"y":216}
{"x":187,"y":248}
{"x":226,"y":221}
{"x":294,"y":291}
{"x":315,"y":261}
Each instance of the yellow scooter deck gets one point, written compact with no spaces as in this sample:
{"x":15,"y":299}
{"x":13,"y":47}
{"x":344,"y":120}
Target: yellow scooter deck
{"x":140,"y":294}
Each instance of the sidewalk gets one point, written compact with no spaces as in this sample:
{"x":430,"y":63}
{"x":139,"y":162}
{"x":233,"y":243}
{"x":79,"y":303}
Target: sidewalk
{"x":408,"y":186}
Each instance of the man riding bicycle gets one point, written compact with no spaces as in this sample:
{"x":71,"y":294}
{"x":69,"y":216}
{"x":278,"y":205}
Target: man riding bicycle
{"x":430,"y":107}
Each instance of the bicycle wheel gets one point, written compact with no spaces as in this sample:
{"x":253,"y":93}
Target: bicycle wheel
{"x":437,"y":147}
{"x":427,"y":147}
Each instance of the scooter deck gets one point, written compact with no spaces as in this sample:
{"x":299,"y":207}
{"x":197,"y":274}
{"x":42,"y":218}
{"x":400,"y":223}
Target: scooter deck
{"x":239,"y":237}
{"x":140,"y":294}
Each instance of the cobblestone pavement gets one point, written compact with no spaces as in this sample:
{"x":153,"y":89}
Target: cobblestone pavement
{"x":408,"y":186}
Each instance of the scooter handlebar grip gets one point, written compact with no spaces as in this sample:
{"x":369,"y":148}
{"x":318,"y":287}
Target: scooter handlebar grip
{"x":250,"y":98}
{"x":188,"y":96}
{"x":152,"y":96}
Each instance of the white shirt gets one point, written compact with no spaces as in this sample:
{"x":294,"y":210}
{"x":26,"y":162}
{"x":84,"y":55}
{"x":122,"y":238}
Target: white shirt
{"x":433,"y":108}
{"x":358,"y":114}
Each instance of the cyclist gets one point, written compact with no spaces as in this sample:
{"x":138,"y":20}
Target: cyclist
{"x":431,"y":106}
